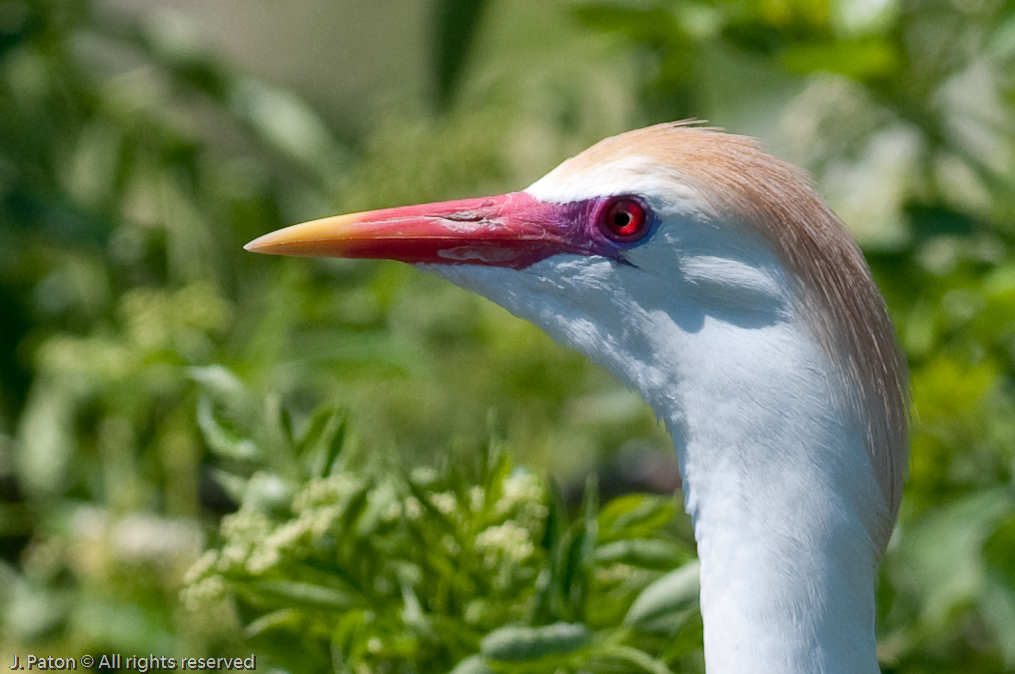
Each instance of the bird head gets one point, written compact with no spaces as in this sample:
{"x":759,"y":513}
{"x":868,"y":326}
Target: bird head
{"x":635,"y":222}
{"x":657,"y":231}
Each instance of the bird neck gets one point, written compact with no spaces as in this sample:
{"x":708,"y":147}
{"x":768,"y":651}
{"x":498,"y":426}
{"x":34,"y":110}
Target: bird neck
{"x":780,"y":490}
{"x":777,"y":478}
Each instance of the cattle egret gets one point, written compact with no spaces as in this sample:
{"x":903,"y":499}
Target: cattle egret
{"x":711,"y":278}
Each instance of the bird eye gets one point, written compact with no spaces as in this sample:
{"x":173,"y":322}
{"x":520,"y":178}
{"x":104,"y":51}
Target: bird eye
{"x":624,"y":220}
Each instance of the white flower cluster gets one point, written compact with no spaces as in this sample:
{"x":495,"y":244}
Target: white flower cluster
{"x":255,"y":543}
{"x":446,"y":503}
{"x":245,"y":532}
{"x":505,"y":549}
{"x":509,"y":541}
{"x":524,"y":497}
{"x":202,"y":586}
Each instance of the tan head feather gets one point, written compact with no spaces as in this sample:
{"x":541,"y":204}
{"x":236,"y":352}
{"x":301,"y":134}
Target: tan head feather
{"x":845,"y":307}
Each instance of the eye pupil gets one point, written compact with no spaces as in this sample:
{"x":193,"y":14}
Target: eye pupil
{"x":624,"y":220}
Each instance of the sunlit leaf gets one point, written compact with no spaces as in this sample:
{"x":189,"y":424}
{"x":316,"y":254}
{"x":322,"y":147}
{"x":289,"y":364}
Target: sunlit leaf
{"x":641,"y":660}
{"x":867,"y":59}
{"x":474,"y":664}
{"x":663,"y":605}
{"x":635,"y":516}
{"x":650,"y":553}
{"x":307,"y":595}
{"x":221,"y":437}
{"x":532,"y":644}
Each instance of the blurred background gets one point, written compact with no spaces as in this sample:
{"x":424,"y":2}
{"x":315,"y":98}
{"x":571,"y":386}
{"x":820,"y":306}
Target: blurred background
{"x":142,"y":144}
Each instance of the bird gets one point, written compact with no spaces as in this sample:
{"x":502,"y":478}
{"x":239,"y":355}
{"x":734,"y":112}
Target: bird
{"x":711,"y":278}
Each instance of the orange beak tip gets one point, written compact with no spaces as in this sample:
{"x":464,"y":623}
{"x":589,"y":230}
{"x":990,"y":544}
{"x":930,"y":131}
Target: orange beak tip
{"x":317,"y":238}
{"x":253,"y":246}
{"x":262,"y":245}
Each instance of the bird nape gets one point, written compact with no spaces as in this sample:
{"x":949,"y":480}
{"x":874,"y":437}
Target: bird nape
{"x":710,"y":277}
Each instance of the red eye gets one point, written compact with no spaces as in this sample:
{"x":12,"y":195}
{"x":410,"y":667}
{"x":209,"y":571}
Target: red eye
{"x":624,"y":220}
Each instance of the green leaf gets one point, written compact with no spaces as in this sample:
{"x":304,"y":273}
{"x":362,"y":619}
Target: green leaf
{"x":474,"y":664}
{"x":379,"y":501}
{"x":220,"y":435}
{"x":526,"y":644}
{"x":549,"y":587}
{"x":930,"y":220}
{"x":861,"y":59}
{"x":997,"y":553}
{"x":1002,"y":39}
{"x":590,"y":517}
{"x":280,"y":422}
{"x":347,"y":638}
{"x":323,"y":441}
{"x":581,"y":552}
{"x":288,"y":124}
{"x":46,"y":439}
{"x":224,"y":387}
{"x":653,"y":24}
{"x":649,"y":553}
{"x":355,"y":504}
{"x":284,"y":619}
{"x":635,"y":516}
{"x":456,"y":23}
{"x":638,"y":658}
{"x":941,"y":557}
{"x":663,"y":605}
{"x":268,"y":493}
{"x":234,"y":485}
{"x":999,"y":597}
{"x":305,"y":595}
{"x":497,"y":468}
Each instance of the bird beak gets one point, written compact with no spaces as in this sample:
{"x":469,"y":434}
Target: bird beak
{"x":510,"y":230}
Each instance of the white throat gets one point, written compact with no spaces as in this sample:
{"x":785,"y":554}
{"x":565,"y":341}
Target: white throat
{"x":776,"y":475}
{"x":780,"y":490}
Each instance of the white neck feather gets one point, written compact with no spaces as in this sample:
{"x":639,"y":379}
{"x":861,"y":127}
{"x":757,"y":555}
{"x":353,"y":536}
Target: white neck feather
{"x":776,"y":475}
{"x":779,"y":489}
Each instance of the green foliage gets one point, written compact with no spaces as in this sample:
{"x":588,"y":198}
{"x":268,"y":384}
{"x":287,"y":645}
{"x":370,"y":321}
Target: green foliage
{"x":455,"y":27}
{"x":371,"y":568}
{"x":159,"y":389}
